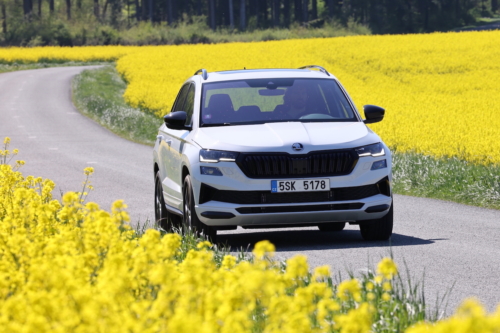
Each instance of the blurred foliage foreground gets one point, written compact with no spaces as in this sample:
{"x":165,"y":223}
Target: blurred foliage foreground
{"x":69,"y":266}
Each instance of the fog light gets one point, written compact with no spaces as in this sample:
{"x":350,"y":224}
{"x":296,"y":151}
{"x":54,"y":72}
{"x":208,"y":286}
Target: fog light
{"x":210,"y":171}
{"x":379,"y":165}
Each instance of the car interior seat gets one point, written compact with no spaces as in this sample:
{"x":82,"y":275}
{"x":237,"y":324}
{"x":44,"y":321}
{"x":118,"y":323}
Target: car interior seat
{"x":220,"y":109}
{"x":249,"y":113}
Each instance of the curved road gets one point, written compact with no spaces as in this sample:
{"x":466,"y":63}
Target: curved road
{"x":450,"y":243}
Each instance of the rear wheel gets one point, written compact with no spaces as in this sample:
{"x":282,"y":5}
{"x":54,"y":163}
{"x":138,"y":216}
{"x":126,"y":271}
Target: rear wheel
{"x":379,"y":229}
{"x":334,"y":226}
{"x":191,"y":220}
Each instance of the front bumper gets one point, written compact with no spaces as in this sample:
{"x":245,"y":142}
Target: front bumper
{"x":332,"y":212}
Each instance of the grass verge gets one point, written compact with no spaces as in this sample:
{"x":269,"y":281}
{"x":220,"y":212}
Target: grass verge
{"x":450,"y":179}
{"x":98,"y":93}
{"x":4,"y":68}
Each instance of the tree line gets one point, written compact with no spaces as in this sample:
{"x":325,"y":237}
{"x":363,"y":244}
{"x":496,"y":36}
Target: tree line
{"x":381,"y":16}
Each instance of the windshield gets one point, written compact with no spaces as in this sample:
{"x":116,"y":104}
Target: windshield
{"x":259,"y":101}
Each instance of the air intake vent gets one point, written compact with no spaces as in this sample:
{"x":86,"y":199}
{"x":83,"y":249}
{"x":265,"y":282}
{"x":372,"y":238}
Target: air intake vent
{"x":314,"y":164}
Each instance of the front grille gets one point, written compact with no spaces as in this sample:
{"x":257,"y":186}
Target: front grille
{"x":297,"y":209}
{"x":208,"y":193}
{"x":314,"y":164}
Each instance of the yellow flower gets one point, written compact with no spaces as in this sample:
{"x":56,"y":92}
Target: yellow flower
{"x":297,"y":267}
{"x":88,"y":171}
{"x":386,"y":297}
{"x":349,"y":288}
{"x":355,"y":321}
{"x":228,"y":261}
{"x":321,"y":272}
{"x":203,"y":244}
{"x":387,"y":268}
{"x":378,"y":279}
{"x":6,"y":141}
{"x":263,"y":248}
{"x":387,"y":286}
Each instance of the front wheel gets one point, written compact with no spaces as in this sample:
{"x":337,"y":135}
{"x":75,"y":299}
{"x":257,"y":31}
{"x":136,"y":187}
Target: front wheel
{"x":191,"y":220}
{"x":378,"y":229}
{"x":162,"y":217}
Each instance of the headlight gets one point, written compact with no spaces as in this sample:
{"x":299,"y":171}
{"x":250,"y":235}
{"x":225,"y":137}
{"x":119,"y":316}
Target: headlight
{"x":371,"y":150}
{"x":216,"y":156}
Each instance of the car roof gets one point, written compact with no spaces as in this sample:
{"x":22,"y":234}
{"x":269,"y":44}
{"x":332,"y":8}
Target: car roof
{"x":242,"y":74}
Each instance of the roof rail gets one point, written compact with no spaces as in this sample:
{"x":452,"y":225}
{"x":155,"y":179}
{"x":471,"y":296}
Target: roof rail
{"x":203,"y":72}
{"x":321,"y":69}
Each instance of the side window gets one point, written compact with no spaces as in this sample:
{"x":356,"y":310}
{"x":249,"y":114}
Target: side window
{"x":179,"y":102}
{"x":189,"y":104}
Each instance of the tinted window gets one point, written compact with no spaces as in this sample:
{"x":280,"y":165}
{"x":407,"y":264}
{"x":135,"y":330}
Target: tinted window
{"x":189,"y":104}
{"x":179,"y":101}
{"x":274,"y":100}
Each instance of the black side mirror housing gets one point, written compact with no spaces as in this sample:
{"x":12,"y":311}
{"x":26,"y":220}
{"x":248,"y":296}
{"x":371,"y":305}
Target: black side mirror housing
{"x":176,"y":120}
{"x":373,"y":114}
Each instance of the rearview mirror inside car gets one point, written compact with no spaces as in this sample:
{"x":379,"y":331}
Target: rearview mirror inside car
{"x":271,"y":92}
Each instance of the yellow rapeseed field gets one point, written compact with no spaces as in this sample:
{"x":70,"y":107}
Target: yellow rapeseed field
{"x":67,"y":266}
{"x":440,"y":91}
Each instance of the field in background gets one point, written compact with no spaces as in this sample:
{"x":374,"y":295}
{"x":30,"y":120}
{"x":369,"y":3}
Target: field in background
{"x":440,"y":90}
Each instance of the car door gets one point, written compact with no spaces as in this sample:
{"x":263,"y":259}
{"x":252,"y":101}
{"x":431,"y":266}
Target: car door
{"x":168,"y":151}
{"x":178,"y":142}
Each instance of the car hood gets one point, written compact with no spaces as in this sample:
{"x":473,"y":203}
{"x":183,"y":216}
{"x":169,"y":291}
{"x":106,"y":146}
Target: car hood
{"x":281,"y":136}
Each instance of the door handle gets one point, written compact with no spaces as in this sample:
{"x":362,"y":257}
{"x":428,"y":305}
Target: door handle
{"x":161,"y":137}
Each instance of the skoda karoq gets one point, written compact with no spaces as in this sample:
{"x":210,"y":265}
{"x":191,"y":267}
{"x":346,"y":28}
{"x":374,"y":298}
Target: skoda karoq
{"x":271,"y":148}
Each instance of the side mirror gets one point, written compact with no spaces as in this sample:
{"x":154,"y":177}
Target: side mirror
{"x":373,"y":114}
{"x":176,"y":120}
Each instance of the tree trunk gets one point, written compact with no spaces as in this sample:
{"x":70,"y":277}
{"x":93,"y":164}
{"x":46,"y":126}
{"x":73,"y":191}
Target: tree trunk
{"x":96,"y":9}
{"x":242,"y":15}
{"x":331,"y":10}
{"x":4,"y":18}
{"x":257,"y":12}
{"x":169,"y":12}
{"x":276,"y":13}
{"x":27,"y":8}
{"x":212,"y":14}
{"x":494,"y":6}
{"x":137,"y":10}
{"x":297,"y":10}
{"x":198,"y":8}
{"x":68,"y":9}
{"x":150,"y":7}
{"x":314,"y":9}
{"x":39,"y":8}
{"x":305,"y":11}
{"x":231,"y":15}
{"x":51,"y":7}
{"x":286,"y":13}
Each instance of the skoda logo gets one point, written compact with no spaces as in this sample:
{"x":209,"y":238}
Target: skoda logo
{"x":297,"y":146}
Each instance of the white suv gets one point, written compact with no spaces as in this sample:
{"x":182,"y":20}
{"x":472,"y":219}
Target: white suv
{"x":267,"y":148}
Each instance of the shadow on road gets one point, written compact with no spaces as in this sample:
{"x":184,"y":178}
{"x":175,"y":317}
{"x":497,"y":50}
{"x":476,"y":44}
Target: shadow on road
{"x":310,"y":240}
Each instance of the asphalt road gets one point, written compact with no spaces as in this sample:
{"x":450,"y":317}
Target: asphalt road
{"x":450,"y":243}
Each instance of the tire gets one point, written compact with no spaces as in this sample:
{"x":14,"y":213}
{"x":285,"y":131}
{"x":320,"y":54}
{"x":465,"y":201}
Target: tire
{"x":334,"y":226}
{"x":379,"y":229}
{"x":191,"y":220}
{"x":163,"y":218}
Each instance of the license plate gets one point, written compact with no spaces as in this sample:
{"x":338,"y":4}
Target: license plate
{"x":300,"y":185}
